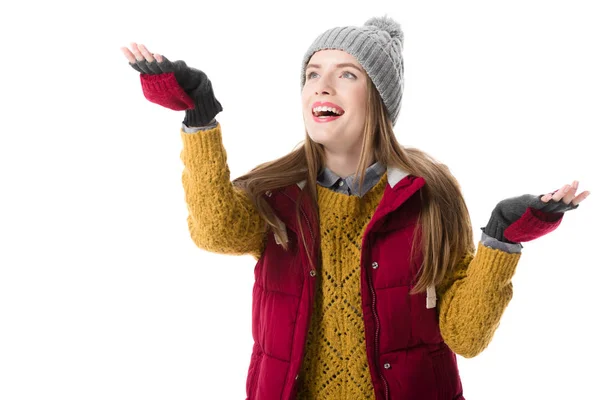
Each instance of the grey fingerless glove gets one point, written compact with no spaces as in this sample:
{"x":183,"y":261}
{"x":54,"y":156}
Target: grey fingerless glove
{"x":512,"y":210}
{"x":200,"y":107}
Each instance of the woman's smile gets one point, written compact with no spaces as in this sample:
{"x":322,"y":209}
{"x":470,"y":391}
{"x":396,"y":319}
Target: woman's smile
{"x":326,"y":111}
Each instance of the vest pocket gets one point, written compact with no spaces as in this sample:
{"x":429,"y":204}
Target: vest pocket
{"x":446,"y":374}
{"x":253,"y":372}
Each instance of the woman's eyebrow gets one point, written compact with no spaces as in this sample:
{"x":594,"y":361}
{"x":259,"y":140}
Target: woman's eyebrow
{"x":342,"y":65}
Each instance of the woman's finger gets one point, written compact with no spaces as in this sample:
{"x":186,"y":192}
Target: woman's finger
{"x":128,"y":54}
{"x":158,"y":57}
{"x":136,"y":52}
{"x":580,"y":197}
{"x":546,"y":198}
{"x":560,"y":193}
{"x":146,"y":53}
{"x":570,"y":193}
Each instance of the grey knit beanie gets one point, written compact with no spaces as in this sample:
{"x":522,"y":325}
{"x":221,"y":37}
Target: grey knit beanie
{"x":377,"y":46}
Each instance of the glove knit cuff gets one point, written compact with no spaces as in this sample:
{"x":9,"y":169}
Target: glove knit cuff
{"x":204,"y":111}
{"x":532,"y":224}
{"x":164,"y":90}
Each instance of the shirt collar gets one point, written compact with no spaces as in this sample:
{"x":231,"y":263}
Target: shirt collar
{"x":329,"y":179}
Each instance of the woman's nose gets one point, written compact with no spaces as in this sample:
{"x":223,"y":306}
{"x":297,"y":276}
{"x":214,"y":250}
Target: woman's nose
{"x":324,"y":87}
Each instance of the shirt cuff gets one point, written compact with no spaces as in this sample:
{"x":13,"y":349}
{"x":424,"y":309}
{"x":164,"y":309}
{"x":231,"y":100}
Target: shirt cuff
{"x":494,"y":243}
{"x":193,"y":129}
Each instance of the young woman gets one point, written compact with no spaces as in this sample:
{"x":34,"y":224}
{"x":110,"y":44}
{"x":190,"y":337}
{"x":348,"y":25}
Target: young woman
{"x":367,"y":281}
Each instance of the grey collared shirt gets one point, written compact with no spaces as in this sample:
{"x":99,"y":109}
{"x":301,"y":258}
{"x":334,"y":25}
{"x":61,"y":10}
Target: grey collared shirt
{"x":349,"y":185}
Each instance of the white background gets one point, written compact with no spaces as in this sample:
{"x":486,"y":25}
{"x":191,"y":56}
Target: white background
{"x":103,"y":295}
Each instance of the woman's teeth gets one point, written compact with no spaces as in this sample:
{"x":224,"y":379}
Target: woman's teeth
{"x":320,"y":111}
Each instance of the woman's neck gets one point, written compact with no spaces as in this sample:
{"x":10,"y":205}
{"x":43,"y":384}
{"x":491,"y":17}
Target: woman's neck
{"x":344,"y":165}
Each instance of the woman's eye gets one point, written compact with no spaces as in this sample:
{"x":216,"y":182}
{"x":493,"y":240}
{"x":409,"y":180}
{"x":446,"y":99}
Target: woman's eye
{"x":309,"y":75}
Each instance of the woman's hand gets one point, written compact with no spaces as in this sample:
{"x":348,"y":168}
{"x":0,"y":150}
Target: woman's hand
{"x":174,"y":85}
{"x":567,"y":194}
{"x":527,"y":217}
{"x":140,"y":53}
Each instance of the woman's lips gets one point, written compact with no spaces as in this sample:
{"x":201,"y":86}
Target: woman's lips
{"x":325,"y":119}
{"x":339,"y":110}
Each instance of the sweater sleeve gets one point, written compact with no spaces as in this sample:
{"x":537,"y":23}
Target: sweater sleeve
{"x":221,"y":217}
{"x":473,"y":298}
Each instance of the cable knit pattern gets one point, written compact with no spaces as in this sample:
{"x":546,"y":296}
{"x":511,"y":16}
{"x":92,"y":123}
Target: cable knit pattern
{"x":335,"y":363}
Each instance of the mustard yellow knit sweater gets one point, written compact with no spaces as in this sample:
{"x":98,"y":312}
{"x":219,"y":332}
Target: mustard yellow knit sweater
{"x":471,"y":299}
{"x":335,"y":363}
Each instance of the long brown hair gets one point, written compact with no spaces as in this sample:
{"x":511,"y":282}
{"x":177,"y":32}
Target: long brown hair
{"x":443,"y":223}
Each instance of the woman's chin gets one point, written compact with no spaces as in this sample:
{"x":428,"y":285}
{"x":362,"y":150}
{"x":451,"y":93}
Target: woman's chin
{"x":322,"y":136}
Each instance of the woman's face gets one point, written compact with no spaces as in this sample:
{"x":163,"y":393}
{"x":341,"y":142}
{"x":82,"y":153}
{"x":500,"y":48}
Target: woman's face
{"x":343,"y":87}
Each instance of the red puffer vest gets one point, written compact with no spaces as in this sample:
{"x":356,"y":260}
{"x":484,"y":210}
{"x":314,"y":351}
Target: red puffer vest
{"x":407,"y":356}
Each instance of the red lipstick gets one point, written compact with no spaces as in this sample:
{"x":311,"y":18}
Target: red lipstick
{"x":328,"y":118}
